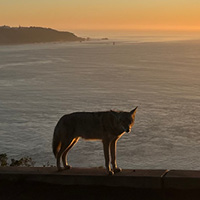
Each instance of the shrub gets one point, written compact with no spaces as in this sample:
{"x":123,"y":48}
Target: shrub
{"x":23,"y":162}
{"x":3,"y":160}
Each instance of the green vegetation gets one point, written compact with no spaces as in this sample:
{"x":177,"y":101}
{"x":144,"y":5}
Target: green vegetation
{"x":22,"y":162}
{"x":3,"y":160}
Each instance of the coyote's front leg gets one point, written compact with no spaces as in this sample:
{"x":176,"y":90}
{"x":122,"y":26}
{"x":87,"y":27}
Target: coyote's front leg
{"x":106,"y":147}
{"x":113,"y":156}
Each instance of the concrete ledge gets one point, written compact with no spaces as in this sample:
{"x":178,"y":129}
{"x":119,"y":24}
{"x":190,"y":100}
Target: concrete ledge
{"x":182,"y":179}
{"x":79,"y":183}
{"x":148,"y":179}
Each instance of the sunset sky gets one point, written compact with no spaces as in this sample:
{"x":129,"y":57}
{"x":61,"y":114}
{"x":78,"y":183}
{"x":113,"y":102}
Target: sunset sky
{"x":104,"y":14}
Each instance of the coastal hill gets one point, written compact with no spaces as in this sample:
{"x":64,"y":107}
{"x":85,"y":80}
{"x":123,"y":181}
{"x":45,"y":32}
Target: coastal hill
{"x":24,"y":35}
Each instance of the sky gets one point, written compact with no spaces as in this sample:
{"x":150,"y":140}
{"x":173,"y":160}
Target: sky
{"x":102,"y":14}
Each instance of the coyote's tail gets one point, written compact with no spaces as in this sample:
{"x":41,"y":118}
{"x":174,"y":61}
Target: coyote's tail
{"x":56,"y":141}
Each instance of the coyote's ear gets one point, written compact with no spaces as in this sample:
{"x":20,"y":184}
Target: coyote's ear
{"x":133,"y":112}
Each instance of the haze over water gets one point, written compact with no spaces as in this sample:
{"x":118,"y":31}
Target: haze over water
{"x":41,"y":82}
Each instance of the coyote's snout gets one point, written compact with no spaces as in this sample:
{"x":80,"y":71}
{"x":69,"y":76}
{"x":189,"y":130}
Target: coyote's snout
{"x":106,"y":126}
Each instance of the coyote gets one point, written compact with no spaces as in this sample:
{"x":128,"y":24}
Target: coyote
{"x":106,"y":126}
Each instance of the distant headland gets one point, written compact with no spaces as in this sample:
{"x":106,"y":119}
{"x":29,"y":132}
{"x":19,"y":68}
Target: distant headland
{"x":25,"y":35}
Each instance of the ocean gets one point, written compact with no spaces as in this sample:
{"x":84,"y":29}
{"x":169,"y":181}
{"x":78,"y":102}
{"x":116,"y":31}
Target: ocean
{"x":41,"y":82}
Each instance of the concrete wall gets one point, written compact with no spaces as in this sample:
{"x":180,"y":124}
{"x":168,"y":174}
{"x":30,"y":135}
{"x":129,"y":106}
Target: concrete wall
{"x":77,"y":183}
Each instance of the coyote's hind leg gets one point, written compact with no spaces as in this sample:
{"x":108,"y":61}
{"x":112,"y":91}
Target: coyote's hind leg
{"x":68,"y":146}
{"x":64,"y":146}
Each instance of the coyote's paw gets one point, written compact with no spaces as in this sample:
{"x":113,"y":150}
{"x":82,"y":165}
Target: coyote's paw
{"x":116,"y":170}
{"x":110,"y":173}
{"x":67,"y":167}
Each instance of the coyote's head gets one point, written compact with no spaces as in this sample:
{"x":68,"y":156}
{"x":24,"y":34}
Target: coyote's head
{"x":126,"y":120}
